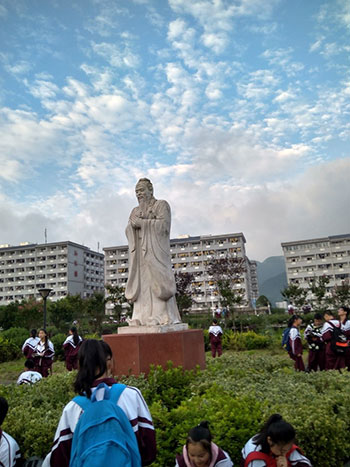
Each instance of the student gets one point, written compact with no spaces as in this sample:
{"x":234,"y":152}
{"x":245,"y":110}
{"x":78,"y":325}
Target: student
{"x":274,"y":446}
{"x":30,"y":344}
{"x":43,"y":354}
{"x":9,"y":450}
{"x":71,"y":347}
{"x":334,"y":361}
{"x":200,"y":451}
{"x":313,"y":335}
{"x":295,"y":344}
{"x":343,"y":314}
{"x":29,"y":376}
{"x":215,"y":334}
{"x":95,"y":365}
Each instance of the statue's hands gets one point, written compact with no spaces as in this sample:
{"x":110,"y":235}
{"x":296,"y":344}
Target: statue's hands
{"x":135,"y":221}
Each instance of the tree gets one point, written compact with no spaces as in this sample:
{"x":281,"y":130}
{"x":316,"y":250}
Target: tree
{"x":116,"y":296}
{"x":63,"y":312}
{"x":227,"y":275}
{"x":318,"y":287}
{"x":263,"y":301}
{"x":95,"y":307}
{"x":183,"y":295}
{"x":294,"y":294}
{"x":341,"y":294}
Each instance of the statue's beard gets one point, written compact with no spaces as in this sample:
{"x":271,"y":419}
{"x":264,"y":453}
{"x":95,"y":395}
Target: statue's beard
{"x":144,"y":203}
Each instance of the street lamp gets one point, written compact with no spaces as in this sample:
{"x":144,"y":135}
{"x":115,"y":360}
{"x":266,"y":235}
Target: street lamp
{"x":44,"y":293}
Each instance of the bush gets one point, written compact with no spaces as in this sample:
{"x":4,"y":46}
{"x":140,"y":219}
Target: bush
{"x":244,"y":341}
{"x":57,"y":341}
{"x":16,"y":335}
{"x":8,"y":350}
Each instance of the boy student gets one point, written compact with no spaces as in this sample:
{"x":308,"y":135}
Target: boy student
{"x":334,"y":360}
{"x":313,"y":335}
{"x":215,"y":334}
{"x":29,"y":376}
{"x":9,"y":450}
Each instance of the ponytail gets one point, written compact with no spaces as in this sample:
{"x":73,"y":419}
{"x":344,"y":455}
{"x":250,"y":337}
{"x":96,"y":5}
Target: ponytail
{"x":200,"y":434}
{"x":92,"y":365}
{"x":75,"y":335}
{"x":292,"y":320}
{"x":276,"y":428}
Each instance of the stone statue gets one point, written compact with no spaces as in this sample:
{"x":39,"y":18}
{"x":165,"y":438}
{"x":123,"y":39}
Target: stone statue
{"x":151,"y":283}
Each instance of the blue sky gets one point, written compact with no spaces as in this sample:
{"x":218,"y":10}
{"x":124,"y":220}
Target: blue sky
{"x":237,"y":110}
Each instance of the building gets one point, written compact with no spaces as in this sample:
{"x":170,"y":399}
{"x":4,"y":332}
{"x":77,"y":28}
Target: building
{"x":309,"y":259}
{"x":189,"y":254}
{"x":65,"y":267}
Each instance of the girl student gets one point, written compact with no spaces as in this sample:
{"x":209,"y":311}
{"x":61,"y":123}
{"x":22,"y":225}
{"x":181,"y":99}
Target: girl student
{"x":343,"y":314}
{"x":274,"y":446}
{"x":94,"y":380}
{"x":295,"y":343}
{"x":200,"y":451}
{"x":71,"y":347}
{"x":43,"y":354}
{"x":29,"y":344}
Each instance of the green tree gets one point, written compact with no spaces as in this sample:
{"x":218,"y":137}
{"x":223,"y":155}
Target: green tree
{"x":341,"y":294}
{"x":318,"y":287}
{"x":263,"y":301}
{"x":95,"y":307}
{"x":63,"y":312}
{"x":227,"y":274}
{"x":294,"y":294}
{"x":116,"y":296}
{"x":183,"y":295}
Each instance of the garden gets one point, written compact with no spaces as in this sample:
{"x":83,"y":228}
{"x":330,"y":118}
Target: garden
{"x":236,"y":393}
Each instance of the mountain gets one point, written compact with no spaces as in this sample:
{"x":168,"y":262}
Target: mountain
{"x":272,"y":278}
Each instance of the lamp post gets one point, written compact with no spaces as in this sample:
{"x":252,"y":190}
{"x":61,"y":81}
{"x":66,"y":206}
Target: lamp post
{"x":44,"y":293}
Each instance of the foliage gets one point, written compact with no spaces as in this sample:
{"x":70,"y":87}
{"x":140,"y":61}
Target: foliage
{"x":57,"y":341}
{"x":244,"y":340}
{"x":318,"y":287}
{"x":96,"y":311}
{"x":116,"y":296}
{"x":341,"y":294}
{"x":183,"y":296}
{"x":16,"y":336}
{"x":294,"y":294}
{"x":8,"y":350}
{"x":262,"y":301}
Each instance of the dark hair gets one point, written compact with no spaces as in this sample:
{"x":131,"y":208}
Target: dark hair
{"x":215,"y":321}
{"x":292,"y":320}
{"x":92,"y":357}
{"x":3,"y":409}
{"x":75,"y":335}
{"x":33,"y":333}
{"x":280,"y":432}
{"x":200,"y":434}
{"x":346,"y":309}
{"x":328,"y":312}
{"x":318,"y":316}
{"x":29,"y":364}
{"x":46,"y":338}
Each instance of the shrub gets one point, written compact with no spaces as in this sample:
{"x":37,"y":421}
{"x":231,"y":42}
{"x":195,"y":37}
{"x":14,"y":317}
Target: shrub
{"x":57,"y":341}
{"x":244,"y":341}
{"x":16,"y":335}
{"x":8,"y":350}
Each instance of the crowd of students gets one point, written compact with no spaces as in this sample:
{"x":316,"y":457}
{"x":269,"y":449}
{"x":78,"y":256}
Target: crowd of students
{"x":88,"y":430}
{"x":328,"y":341}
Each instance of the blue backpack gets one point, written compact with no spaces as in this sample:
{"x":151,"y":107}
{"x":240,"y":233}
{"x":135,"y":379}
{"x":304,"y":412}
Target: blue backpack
{"x":285,"y":339}
{"x":103,"y":435}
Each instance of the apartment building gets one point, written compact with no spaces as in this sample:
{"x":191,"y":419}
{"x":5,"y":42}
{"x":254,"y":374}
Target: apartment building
{"x":190,"y":254}
{"x":65,"y":267}
{"x":326,"y":256}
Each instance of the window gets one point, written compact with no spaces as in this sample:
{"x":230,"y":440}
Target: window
{"x":75,"y":273}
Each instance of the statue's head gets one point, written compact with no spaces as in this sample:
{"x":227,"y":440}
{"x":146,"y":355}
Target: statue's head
{"x":144,"y":189}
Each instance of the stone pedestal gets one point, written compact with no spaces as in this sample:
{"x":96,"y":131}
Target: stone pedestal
{"x":157,"y":329}
{"x":134,"y":353}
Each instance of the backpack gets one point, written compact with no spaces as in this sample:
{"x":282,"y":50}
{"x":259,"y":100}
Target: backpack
{"x":339,"y":342}
{"x":103,"y":435}
{"x":285,"y":340}
{"x":269,"y":461}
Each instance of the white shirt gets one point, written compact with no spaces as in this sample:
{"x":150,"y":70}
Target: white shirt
{"x":29,"y":377}
{"x":9,"y":450}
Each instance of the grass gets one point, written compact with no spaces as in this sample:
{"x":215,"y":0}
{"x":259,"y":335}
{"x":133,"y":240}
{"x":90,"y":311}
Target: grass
{"x":9,"y":371}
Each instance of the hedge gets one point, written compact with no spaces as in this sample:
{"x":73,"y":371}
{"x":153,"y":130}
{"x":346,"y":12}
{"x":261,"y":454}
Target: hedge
{"x":236,"y":394}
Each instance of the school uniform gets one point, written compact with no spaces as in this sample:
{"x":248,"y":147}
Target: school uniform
{"x":136,"y":410}
{"x":43,"y":357}
{"x":29,"y":377}
{"x":316,"y":357}
{"x":71,"y":352}
{"x":333,"y":361}
{"x":219,"y":458}
{"x":296,"y":348}
{"x":215,"y":334}
{"x":295,"y":458}
{"x":345,"y":327}
{"x":9,"y":451}
{"x":29,"y":346}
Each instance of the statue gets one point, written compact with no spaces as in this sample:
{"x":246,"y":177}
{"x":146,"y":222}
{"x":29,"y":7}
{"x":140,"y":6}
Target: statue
{"x":151,"y":283}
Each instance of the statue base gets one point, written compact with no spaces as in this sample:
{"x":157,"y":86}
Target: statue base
{"x":134,"y":353}
{"x":156,"y":329}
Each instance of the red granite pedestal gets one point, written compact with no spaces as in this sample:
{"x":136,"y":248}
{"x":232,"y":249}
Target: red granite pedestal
{"x":134,"y":353}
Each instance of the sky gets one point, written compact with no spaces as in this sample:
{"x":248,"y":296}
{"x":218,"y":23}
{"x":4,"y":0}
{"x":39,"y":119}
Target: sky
{"x":237,"y":110}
